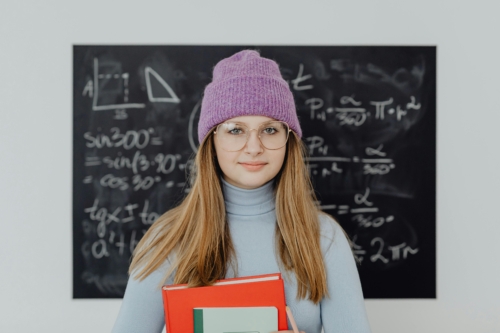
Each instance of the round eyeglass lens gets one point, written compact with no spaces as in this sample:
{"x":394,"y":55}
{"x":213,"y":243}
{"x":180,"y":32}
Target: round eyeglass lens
{"x":273,"y":135}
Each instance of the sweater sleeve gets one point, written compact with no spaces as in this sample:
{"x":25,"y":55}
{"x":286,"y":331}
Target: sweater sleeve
{"x":142,"y":307}
{"x":344,"y":309}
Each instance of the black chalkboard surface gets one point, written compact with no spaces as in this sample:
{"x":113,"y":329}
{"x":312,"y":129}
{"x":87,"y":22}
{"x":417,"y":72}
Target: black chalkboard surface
{"x":368,"y":116}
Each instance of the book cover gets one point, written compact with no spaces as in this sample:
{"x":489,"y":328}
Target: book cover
{"x":252,"y":291}
{"x":235,"y":320}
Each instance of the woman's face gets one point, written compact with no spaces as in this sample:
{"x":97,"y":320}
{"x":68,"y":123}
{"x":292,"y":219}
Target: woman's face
{"x":253,"y":165}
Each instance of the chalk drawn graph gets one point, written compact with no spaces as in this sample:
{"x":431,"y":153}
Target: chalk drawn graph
{"x":125,"y":78}
{"x":122,"y":82}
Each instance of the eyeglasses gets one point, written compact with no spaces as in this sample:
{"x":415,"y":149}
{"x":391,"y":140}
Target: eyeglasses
{"x":233,"y":136}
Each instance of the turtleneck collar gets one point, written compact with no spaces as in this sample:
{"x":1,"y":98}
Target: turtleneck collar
{"x":241,"y":201}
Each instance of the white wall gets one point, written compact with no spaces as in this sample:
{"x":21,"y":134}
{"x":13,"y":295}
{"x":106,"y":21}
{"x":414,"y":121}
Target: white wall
{"x":36,"y":39}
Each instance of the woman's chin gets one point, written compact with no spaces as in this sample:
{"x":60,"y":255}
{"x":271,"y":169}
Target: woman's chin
{"x":249,"y":183}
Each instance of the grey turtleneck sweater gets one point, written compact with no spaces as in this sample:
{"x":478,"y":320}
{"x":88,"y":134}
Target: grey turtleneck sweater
{"x":252,"y":218}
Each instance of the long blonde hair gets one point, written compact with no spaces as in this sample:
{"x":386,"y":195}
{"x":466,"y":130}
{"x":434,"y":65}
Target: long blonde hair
{"x":195,"y":235}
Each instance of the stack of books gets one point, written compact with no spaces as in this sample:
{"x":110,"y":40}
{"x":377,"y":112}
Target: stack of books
{"x":248,"y":304}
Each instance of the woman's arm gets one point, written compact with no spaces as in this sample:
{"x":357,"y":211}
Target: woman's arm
{"x":142,"y":306}
{"x":344,"y":310}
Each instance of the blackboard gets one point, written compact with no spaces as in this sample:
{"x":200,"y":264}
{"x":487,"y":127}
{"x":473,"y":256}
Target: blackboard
{"x":368,"y":115}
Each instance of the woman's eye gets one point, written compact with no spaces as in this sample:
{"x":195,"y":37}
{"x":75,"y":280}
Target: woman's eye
{"x":270,"y":130}
{"x":235,"y":131}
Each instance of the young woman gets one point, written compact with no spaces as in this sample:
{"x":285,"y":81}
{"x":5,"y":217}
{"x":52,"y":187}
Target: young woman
{"x":251,"y":210}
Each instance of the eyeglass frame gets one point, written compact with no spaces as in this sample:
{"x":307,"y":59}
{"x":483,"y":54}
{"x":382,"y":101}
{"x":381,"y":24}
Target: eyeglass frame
{"x":258,"y":135}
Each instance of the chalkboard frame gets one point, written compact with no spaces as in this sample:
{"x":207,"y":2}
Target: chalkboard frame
{"x":400,"y":281}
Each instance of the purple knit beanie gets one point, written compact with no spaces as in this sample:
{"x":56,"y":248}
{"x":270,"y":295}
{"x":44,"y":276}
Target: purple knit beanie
{"x":246,"y":84}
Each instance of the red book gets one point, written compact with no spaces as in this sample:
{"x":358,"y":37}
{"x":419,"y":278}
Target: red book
{"x":259,"y":290}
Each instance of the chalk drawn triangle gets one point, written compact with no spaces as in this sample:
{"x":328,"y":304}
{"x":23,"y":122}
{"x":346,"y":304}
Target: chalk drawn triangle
{"x":173,"y":99}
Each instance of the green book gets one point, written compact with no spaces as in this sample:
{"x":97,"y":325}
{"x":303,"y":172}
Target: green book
{"x":236,"y":320}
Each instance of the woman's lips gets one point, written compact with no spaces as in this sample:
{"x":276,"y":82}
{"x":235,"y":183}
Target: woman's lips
{"x":253,"y":166}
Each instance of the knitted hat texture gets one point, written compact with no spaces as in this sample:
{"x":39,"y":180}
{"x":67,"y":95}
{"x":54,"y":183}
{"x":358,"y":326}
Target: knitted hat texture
{"x":246,"y":84}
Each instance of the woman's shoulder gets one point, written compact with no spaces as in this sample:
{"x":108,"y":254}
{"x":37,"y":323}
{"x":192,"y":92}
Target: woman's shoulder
{"x":332,"y":234}
{"x":328,"y":225}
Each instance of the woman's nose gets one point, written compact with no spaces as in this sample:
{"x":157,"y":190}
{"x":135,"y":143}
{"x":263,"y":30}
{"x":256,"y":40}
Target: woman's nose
{"x":253,"y":143}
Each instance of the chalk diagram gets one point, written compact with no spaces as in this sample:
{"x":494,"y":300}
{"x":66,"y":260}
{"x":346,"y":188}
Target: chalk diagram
{"x":173,"y":99}
{"x":114,"y":82}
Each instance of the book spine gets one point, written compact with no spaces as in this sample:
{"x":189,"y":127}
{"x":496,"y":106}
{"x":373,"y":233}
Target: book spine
{"x":165,"y":309}
{"x":198,"y":320}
